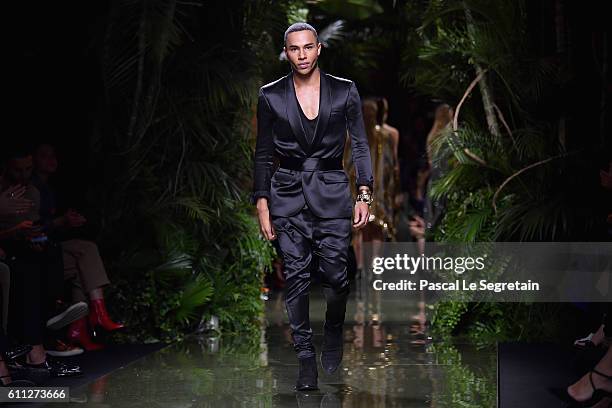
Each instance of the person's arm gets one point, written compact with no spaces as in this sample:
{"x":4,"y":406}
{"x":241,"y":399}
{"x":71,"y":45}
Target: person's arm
{"x":264,"y":152}
{"x":12,"y":201}
{"x":395,"y":137}
{"x":359,"y":141}
{"x":71,"y":219}
{"x":264,"y":160}
{"x":361,"y":155}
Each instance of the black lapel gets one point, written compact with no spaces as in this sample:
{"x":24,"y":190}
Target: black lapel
{"x":325,"y":102}
{"x":293,"y":114}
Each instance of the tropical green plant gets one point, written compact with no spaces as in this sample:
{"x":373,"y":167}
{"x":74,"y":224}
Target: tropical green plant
{"x":175,"y":139}
{"x":511,"y":175}
{"x":465,"y":385}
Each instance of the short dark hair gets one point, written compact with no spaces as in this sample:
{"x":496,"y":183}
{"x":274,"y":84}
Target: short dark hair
{"x":300,"y":27}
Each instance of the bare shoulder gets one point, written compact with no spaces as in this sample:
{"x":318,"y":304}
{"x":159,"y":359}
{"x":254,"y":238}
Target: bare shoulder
{"x":393,"y":131}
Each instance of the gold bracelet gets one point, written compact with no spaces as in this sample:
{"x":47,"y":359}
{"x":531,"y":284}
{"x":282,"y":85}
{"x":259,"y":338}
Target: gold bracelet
{"x":365,"y":197}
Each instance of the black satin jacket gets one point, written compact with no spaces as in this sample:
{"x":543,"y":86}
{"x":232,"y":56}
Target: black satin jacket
{"x":280,"y":133}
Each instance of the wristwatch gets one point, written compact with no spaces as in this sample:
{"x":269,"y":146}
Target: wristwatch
{"x":366,"y":197}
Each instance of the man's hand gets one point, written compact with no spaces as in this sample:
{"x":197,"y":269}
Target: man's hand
{"x":12,"y":201}
{"x":362,"y":214}
{"x":37,"y":247}
{"x":25,"y":226}
{"x":265,"y":223}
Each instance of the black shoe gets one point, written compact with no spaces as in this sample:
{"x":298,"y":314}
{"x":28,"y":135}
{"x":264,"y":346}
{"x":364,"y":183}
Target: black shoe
{"x":56,"y":368}
{"x":16,"y":383}
{"x":309,"y":400}
{"x":16,"y":352}
{"x":332,"y":351}
{"x":66,"y":314}
{"x":308,"y":375}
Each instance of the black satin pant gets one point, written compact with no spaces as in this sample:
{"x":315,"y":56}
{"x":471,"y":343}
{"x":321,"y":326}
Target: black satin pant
{"x":312,"y":244}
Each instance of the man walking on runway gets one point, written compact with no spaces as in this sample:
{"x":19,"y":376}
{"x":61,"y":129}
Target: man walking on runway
{"x":306,"y":204}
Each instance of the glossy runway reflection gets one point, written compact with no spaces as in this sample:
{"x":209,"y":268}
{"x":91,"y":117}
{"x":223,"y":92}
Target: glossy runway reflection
{"x":381,"y":368}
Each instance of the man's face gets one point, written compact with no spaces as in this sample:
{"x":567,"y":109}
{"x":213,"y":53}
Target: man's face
{"x":302,"y":51}
{"x":19,"y":171}
{"x":45,"y":159}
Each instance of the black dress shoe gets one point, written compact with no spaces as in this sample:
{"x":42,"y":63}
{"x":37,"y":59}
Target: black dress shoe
{"x":308,"y":375}
{"x":17,"y":383}
{"x":17,"y":352}
{"x":332,"y":351}
{"x":56,"y":368}
{"x":308,"y":400}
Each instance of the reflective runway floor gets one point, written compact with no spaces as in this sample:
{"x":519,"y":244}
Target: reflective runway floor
{"x":381,"y":366}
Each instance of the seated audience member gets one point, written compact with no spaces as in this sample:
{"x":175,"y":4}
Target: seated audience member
{"x":36,"y":272}
{"x":83,"y":266}
{"x":11,"y":202}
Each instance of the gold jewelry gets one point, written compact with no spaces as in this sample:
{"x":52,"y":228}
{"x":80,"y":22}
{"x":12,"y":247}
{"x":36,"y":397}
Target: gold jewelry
{"x":365,"y":197}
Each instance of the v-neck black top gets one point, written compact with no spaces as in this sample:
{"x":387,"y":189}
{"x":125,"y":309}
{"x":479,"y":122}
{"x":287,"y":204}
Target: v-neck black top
{"x":310,"y":125}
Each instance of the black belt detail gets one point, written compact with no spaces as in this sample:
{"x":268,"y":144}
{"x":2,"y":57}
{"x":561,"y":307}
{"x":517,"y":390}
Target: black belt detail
{"x":311,"y":163}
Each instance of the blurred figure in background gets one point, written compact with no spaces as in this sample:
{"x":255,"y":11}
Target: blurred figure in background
{"x":83,"y":266}
{"x":374,"y":231}
{"x":11,"y":203}
{"x":383,"y":114}
{"x":36,"y":268}
{"x":435,"y":167}
{"x":390,"y":169}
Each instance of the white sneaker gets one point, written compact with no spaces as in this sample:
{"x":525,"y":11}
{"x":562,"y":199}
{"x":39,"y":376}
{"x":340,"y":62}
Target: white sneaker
{"x":72,"y":313}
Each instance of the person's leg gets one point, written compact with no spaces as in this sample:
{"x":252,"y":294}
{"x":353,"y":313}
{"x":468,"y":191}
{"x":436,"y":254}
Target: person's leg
{"x":294,"y":238}
{"x":84,"y":258}
{"x":71,"y":274}
{"x":5,"y":376}
{"x":26,"y":322}
{"x":78,"y":332}
{"x":5,"y":285}
{"x":27,"y":309}
{"x":52,"y":264}
{"x":331,"y":241}
{"x":34,"y":288}
{"x":599,"y":378}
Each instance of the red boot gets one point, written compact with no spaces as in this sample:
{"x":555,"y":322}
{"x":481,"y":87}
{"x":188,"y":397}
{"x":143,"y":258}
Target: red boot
{"x":78,"y":333}
{"x":98,"y":316}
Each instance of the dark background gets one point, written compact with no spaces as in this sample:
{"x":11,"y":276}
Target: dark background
{"x":55,"y":88}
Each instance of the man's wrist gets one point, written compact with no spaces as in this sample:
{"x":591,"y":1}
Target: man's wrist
{"x":262,"y":204}
{"x":364,"y":196}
